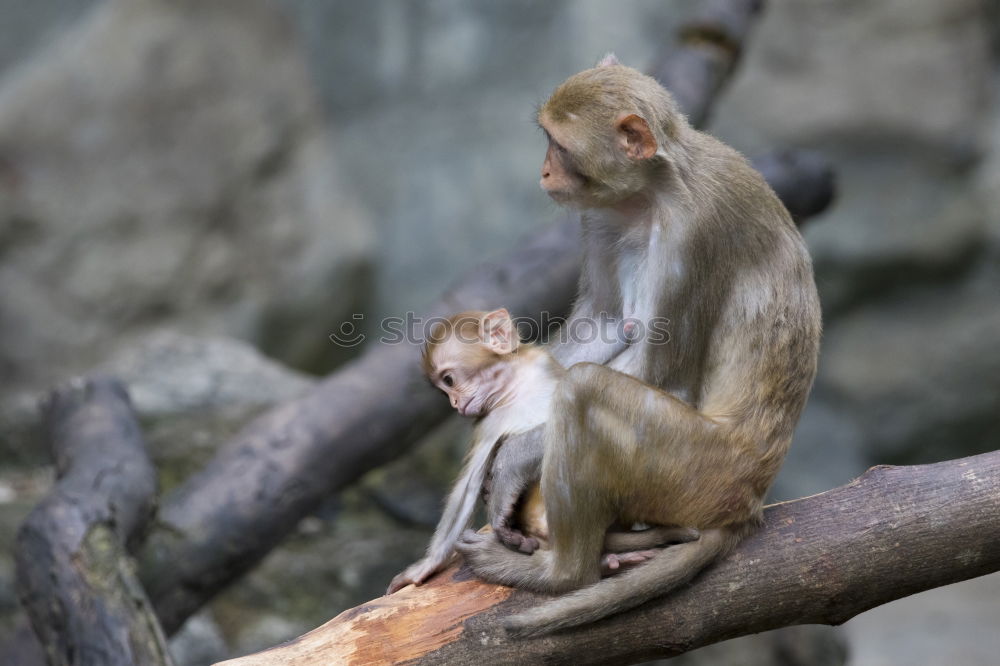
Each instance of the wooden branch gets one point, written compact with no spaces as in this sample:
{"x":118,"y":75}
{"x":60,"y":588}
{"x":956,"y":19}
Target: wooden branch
{"x":223,"y":520}
{"x":708,"y":48}
{"x":74,"y":576}
{"x":803,"y":180}
{"x":893,"y":532}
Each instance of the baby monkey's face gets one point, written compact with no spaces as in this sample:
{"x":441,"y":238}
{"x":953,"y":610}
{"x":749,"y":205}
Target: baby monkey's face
{"x":470,"y":375}
{"x":470,"y":362}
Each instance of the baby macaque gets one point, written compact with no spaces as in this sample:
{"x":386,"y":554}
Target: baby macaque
{"x":477,"y":359}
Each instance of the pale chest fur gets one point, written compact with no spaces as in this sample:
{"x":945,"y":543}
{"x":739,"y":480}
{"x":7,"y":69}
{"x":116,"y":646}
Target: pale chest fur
{"x":646,"y":258}
{"x":525,"y":409}
{"x":647,"y":265}
{"x":633,"y":278}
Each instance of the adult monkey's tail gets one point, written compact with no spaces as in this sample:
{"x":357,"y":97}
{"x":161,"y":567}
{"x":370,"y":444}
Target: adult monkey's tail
{"x":668,"y":570}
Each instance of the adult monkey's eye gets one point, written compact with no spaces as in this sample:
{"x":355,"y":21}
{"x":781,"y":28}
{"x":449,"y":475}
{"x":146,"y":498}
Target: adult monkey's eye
{"x":448,"y":380}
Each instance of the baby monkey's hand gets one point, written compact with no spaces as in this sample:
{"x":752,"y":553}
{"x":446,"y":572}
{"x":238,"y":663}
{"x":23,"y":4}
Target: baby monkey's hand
{"x":415,"y":574}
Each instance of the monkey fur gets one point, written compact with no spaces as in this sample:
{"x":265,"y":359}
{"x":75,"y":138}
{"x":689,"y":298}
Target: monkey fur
{"x":477,"y":360}
{"x":691,"y":432}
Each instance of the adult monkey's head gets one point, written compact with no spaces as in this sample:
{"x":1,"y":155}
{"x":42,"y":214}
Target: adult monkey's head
{"x":611,"y":131}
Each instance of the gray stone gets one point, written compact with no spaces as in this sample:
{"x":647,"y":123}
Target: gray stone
{"x":167,"y":163}
{"x":902,"y":218}
{"x":815,"y":70}
{"x":198,"y":642}
{"x":171,"y":374}
{"x":920,"y":372}
{"x":955,"y":624}
{"x":190,"y":394}
{"x":828,"y":450}
{"x":28,"y":24}
{"x":987,"y":181}
{"x":193,"y":394}
{"x":433,"y":99}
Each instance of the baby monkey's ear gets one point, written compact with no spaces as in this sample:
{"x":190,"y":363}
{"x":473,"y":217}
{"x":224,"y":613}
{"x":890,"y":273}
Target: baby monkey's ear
{"x":498,"y":333}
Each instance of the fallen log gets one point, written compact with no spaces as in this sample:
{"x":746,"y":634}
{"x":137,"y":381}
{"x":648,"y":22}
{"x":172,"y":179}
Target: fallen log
{"x":823,"y":559}
{"x":74,"y":575}
{"x":223,"y":520}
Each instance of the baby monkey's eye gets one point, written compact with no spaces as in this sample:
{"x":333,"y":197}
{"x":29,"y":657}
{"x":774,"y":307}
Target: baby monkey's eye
{"x":448,"y":381}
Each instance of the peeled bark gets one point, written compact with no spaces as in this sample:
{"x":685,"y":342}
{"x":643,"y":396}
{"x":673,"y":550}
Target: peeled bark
{"x":892,"y":532}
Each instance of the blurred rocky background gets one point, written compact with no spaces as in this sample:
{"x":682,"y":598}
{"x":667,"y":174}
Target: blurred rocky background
{"x":194,"y":194}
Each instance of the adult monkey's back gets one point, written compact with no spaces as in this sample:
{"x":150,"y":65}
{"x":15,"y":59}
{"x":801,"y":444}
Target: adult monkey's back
{"x":691,"y":432}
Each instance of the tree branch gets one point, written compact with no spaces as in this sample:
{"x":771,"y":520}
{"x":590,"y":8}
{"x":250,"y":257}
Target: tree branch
{"x":74,"y":575}
{"x":892,"y":532}
{"x":708,"y":48}
{"x":223,"y":520}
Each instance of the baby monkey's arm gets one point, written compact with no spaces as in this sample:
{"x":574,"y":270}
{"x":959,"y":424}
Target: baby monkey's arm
{"x":457,"y":515}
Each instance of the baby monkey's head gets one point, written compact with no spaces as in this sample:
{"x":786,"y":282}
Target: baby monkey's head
{"x":466,"y":357}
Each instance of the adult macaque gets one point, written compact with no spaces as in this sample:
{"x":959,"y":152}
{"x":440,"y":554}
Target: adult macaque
{"x":677,"y":226}
{"x":478,"y":361}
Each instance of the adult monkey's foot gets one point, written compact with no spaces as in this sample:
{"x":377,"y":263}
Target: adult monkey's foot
{"x":612,"y":563}
{"x":516,"y":540}
{"x":488,"y":559}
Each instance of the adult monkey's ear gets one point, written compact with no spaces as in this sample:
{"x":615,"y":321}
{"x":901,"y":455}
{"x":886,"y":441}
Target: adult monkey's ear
{"x":498,"y":332}
{"x":608,"y":60}
{"x":635,"y":137}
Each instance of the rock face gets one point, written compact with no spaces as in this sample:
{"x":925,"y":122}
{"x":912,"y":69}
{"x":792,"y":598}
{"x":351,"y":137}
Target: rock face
{"x":168,"y":163}
{"x":913,"y":69}
{"x":193,"y":394}
{"x":433,"y":101}
{"x":190,"y":394}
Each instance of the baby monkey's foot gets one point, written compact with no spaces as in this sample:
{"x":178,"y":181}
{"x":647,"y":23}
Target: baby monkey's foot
{"x":515,"y":540}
